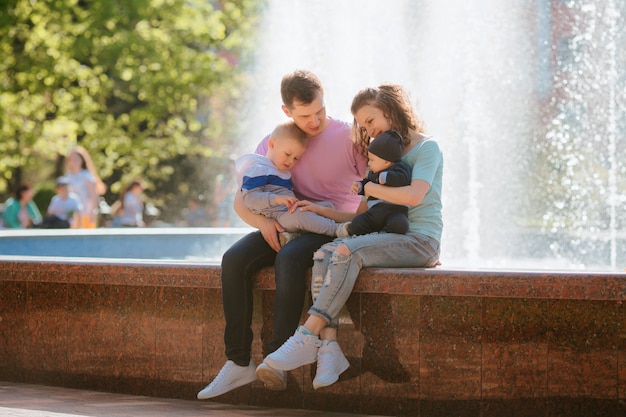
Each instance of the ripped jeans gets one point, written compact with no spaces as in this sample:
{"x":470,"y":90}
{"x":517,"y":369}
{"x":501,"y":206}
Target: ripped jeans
{"x":334,"y":274}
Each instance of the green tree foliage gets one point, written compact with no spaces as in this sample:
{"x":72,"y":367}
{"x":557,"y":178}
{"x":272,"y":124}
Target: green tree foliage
{"x":147,"y":86}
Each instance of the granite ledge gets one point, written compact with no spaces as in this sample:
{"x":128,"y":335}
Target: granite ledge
{"x":407,"y":281}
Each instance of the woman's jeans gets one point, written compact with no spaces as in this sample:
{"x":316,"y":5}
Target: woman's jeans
{"x":334,"y":274}
{"x":239,"y":263}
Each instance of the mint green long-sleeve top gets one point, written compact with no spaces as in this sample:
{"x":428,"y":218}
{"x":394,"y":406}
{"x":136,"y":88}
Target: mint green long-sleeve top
{"x":11,"y":212}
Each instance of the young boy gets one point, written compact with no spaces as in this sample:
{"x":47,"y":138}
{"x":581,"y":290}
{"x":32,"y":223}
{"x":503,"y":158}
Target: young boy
{"x":386,"y":168}
{"x":64,"y":209}
{"x":267,"y":188}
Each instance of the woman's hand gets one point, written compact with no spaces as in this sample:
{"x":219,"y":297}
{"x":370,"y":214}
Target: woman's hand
{"x":269,"y":230}
{"x":305,"y":205}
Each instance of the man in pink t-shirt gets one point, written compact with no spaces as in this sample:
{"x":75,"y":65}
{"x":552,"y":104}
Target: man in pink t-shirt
{"x":325,"y":172}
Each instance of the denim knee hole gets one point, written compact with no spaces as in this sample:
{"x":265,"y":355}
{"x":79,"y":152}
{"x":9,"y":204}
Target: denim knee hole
{"x":316,"y":285}
{"x":340,"y":258}
{"x":318,"y":255}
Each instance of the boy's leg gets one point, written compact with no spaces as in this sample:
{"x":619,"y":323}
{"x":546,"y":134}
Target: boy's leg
{"x":308,"y":221}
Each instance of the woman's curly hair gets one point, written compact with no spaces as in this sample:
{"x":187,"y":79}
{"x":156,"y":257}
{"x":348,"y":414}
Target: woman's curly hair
{"x":395,"y":104}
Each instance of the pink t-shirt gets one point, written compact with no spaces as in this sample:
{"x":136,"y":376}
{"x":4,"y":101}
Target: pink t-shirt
{"x":328,"y":167}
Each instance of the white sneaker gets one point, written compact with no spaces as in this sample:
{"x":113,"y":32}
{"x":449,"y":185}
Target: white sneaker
{"x":231,"y":376}
{"x":342,"y":230}
{"x":286,"y":237}
{"x":300,"y":349}
{"x":273,"y":379}
{"x":331,"y":363}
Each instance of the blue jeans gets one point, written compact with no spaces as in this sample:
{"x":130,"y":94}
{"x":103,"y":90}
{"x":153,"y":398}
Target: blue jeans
{"x":239,"y":263}
{"x":334,"y":274}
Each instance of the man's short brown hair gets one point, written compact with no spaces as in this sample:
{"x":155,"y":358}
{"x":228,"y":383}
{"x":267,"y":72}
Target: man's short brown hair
{"x":300,"y":85}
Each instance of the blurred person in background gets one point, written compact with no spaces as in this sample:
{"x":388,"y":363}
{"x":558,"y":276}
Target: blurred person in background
{"x":128,"y":210}
{"x":64,"y":209}
{"x":21,"y":212}
{"x":85,"y":182}
{"x":195,"y":213}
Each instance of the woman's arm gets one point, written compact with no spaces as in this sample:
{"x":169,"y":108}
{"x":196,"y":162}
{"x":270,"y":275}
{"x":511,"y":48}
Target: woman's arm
{"x":410,"y":195}
{"x":93,"y":200}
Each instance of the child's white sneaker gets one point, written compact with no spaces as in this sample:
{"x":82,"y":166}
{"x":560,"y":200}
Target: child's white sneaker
{"x":343,"y":230}
{"x":286,"y":237}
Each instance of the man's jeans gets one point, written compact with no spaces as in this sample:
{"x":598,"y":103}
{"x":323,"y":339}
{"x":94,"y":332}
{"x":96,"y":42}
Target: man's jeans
{"x":239,"y":263}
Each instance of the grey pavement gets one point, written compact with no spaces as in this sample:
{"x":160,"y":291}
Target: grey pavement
{"x":24,"y":400}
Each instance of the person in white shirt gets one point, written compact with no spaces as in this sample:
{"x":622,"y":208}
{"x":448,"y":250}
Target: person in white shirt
{"x":131,"y":210}
{"x":85,"y":182}
{"x":64,"y":209}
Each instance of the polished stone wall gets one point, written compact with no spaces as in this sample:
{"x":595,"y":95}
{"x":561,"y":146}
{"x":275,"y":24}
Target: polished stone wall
{"x":420,"y":342}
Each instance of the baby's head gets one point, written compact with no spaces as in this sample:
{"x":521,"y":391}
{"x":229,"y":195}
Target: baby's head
{"x":384,"y":150}
{"x":286,"y":145}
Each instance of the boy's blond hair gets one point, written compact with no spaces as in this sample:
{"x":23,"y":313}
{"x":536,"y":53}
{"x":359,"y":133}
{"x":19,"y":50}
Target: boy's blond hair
{"x":289,"y":130}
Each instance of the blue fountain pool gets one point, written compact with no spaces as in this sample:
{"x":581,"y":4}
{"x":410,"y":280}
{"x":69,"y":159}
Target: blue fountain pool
{"x":176,"y":243}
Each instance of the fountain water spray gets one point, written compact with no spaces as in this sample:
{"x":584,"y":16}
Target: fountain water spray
{"x":524,"y":100}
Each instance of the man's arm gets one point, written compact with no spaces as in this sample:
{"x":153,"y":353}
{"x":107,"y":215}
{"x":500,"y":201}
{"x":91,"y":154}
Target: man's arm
{"x":269,"y":228}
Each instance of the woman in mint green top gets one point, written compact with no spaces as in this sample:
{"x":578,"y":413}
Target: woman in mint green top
{"x":21,"y":212}
{"x":337,"y":264}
